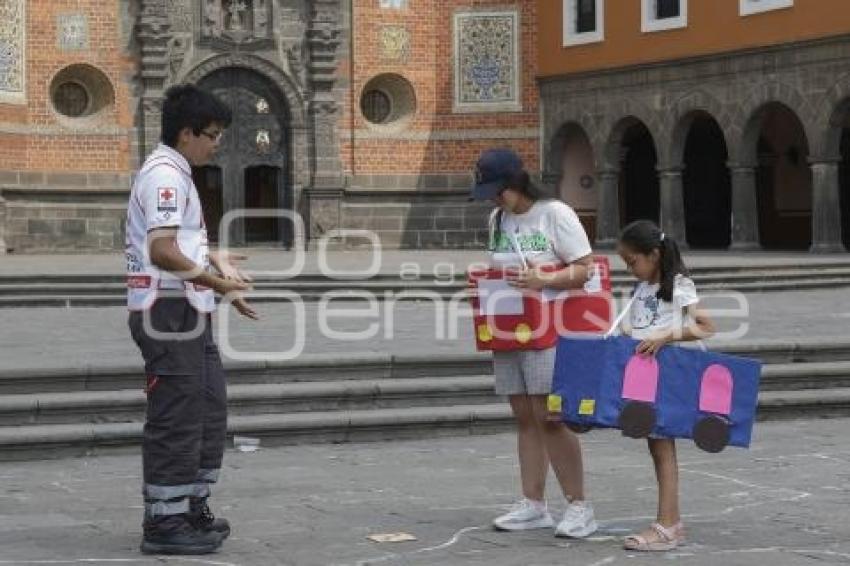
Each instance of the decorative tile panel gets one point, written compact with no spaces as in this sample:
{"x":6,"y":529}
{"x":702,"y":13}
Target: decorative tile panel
{"x":394,"y":42}
{"x":72,"y":31}
{"x":486,"y":61}
{"x":12,"y":50}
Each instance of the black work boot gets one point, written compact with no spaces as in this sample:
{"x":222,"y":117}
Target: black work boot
{"x":202,"y":518}
{"x":175,"y":534}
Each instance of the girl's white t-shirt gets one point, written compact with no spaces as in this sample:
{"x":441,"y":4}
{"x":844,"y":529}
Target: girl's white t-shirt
{"x":649,"y":314}
{"x":548,"y":233}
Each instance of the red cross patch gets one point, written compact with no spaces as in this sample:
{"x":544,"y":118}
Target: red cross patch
{"x":167,"y":199}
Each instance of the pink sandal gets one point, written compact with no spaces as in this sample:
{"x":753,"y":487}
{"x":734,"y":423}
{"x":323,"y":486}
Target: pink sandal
{"x":668,"y":539}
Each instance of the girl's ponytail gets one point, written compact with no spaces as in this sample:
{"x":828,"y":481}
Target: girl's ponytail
{"x":671,"y":264}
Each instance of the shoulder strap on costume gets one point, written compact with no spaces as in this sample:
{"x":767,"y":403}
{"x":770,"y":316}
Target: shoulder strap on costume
{"x":495,"y":224}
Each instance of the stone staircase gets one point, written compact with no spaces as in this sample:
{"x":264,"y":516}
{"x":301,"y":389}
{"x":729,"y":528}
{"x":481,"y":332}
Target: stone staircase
{"x":48,"y":414}
{"x":110,"y":290}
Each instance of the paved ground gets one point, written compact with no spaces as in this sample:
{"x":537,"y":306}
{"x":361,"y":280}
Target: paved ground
{"x":76,"y":337}
{"x":784,"y":502}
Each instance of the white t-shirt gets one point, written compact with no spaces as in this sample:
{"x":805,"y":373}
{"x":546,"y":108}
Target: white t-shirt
{"x":548,"y":233}
{"x":649,"y":314}
{"x":164,"y":195}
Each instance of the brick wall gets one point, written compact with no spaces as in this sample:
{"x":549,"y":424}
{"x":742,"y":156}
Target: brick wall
{"x":430,"y":68}
{"x":32,"y":136}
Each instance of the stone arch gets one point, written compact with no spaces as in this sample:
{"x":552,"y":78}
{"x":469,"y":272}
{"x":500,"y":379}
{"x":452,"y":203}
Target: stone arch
{"x":831,"y":114}
{"x":630,"y":112}
{"x":560,"y":136}
{"x":632,"y":153}
{"x":745,"y":126}
{"x":287,"y":86}
{"x":573,"y":162}
{"x":684,"y":111}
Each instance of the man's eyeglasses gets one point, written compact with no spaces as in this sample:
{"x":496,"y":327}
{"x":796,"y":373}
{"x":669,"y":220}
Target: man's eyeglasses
{"x":213,"y":136}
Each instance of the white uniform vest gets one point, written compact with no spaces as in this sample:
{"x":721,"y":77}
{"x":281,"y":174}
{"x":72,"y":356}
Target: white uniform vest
{"x":164,"y":195}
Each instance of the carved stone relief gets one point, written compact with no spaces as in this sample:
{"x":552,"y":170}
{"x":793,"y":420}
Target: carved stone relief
{"x":72,"y":31}
{"x":236,"y":22}
{"x":292,"y":52}
{"x":180,"y":15}
{"x":394,"y":42}
{"x":12,"y":45}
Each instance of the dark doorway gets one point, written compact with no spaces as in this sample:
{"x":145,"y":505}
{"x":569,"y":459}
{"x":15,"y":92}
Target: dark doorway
{"x":783,"y":180}
{"x":254,"y":155}
{"x":261,"y":193}
{"x":208,"y":182}
{"x":707,"y":186}
{"x":639,"y":186}
{"x":844,"y":186}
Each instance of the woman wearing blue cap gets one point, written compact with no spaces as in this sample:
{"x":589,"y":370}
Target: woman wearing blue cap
{"x":529,"y":232}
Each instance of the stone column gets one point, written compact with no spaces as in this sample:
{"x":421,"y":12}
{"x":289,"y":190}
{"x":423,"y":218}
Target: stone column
{"x":323,"y":37}
{"x":608,"y":207}
{"x":673,"y":204}
{"x":326,"y":190}
{"x":745,"y":214}
{"x":2,"y":225}
{"x":154,"y":34}
{"x":826,"y":207}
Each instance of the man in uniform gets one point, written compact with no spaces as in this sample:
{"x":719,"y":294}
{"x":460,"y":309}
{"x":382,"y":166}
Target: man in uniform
{"x":170,"y":296}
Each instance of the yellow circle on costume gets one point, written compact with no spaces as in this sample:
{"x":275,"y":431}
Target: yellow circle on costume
{"x":522,"y":333}
{"x":484,"y":333}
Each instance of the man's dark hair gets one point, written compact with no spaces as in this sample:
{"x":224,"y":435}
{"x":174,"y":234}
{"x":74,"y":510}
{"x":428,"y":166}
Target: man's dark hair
{"x":187,"y":106}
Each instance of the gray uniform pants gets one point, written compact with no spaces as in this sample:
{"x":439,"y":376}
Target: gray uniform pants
{"x":186,"y":419}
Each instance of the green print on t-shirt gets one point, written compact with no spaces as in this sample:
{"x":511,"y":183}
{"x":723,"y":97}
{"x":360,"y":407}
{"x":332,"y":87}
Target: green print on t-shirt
{"x":537,"y":242}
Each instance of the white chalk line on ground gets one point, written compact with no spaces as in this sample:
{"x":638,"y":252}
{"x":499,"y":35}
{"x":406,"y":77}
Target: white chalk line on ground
{"x":453,"y":540}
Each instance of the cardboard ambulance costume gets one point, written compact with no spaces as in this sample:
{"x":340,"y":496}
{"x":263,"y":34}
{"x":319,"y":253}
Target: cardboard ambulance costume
{"x":508,"y":319}
{"x":678,"y":393}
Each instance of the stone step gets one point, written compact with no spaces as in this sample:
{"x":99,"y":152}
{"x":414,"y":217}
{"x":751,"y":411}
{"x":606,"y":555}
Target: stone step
{"x":406,"y":293}
{"x":746,"y":267}
{"x":96,"y":291}
{"x":369,"y":366}
{"x":52,"y":441}
{"x":128,"y":405}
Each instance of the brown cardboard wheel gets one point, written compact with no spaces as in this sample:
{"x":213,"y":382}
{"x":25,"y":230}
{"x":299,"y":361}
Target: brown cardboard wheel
{"x":579,"y":428}
{"x":637,"y":419}
{"x":712,"y":434}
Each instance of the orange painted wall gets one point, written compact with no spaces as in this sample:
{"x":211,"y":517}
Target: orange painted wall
{"x":714,"y":26}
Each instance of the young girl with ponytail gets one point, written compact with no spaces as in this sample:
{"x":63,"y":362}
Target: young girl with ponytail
{"x":665,"y":309}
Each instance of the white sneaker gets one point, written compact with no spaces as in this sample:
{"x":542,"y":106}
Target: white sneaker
{"x":578,"y":521}
{"x":524,"y":515}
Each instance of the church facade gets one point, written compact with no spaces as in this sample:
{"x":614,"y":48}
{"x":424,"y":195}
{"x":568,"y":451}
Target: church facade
{"x":353,"y":119}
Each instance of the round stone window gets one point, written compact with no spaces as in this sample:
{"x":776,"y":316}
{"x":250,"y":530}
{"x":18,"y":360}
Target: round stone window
{"x":71,"y":99}
{"x":81,"y":92}
{"x":376,"y":106}
{"x":388,"y":100}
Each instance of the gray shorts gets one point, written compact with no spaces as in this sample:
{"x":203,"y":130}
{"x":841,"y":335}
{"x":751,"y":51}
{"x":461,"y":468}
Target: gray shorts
{"x":527,"y":372}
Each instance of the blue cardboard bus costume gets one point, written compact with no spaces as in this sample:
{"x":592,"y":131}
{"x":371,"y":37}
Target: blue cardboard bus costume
{"x":679,"y":393}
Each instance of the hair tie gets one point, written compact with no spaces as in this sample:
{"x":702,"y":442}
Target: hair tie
{"x":663,"y":235}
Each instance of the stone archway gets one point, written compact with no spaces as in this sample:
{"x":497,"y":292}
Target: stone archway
{"x":576,"y":167}
{"x":706,"y":183}
{"x":776,"y":139}
{"x":255,"y":159}
{"x":639,"y":188}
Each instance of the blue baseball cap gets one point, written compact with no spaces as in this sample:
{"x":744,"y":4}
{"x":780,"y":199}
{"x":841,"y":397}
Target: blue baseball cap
{"x":493,"y":172}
